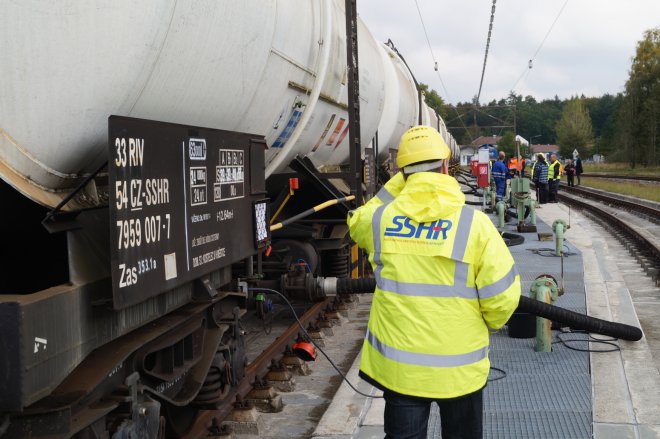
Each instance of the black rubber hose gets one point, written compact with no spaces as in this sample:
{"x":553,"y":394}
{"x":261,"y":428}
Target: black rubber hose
{"x":466,"y":182}
{"x":528,"y":305}
{"x":513,"y":213}
{"x":364,"y":285}
{"x":512,"y":239}
{"x":578,"y":321}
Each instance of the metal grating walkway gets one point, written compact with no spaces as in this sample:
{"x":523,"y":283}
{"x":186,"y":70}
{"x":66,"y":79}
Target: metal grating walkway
{"x":543,"y":395}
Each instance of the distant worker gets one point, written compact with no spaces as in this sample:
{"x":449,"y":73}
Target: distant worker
{"x":540,"y":179}
{"x":532,"y":172}
{"x":500,"y":175}
{"x":522,"y":163}
{"x":514,"y":165}
{"x":569,"y":169}
{"x":444,"y":279}
{"x":578,"y":168}
{"x":554,"y":176}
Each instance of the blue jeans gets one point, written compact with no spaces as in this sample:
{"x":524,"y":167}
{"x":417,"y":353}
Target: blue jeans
{"x":500,"y":187}
{"x":554,"y":187}
{"x":408,"y":418}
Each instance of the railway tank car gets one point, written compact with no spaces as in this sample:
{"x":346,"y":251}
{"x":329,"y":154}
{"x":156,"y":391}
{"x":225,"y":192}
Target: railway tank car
{"x":92,"y":96}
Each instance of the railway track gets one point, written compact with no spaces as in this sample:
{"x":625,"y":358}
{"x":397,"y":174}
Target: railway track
{"x":640,"y":234}
{"x":634,"y":222}
{"x":272,"y":373}
{"x":647,"y":209}
{"x":622,"y":177}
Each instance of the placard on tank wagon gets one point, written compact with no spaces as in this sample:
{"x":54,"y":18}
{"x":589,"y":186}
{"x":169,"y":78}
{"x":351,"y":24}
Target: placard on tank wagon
{"x":184,"y":201}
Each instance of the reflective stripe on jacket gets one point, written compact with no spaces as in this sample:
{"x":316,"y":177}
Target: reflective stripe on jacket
{"x":391,"y":189}
{"x":500,"y":171}
{"x":554,"y":171}
{"x":444,"y":276}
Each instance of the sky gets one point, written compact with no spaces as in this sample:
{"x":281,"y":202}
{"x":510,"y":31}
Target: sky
{"x":587,"y":51}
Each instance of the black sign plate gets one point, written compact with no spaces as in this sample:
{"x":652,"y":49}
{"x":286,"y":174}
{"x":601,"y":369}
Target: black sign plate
{"x":181,"y":204}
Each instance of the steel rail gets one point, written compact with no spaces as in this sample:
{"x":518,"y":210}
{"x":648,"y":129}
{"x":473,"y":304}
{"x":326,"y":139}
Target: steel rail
{"x":622,"y":177}
{"x":612,"y":220}
{"x":257,"y":368}
{"x":612,"y":199}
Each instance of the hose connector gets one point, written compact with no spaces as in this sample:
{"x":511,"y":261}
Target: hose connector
{"x":544,"y":289}
{"x":559,"y":227}
{"x":331,"y":286}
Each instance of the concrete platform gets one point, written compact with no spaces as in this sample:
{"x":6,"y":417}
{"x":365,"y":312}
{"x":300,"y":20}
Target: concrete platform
{"x":564,"y":394}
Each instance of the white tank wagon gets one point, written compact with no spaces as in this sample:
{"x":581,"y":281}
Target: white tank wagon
{"x":145,"y":258}
{"x":274,"y":68}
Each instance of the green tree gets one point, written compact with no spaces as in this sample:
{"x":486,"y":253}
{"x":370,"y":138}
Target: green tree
{"x":604,"y":116}
{"x":508,"y":144}
{"x":640,"y":113}
{"x":433,"y":100}
{"x":574,"y":129}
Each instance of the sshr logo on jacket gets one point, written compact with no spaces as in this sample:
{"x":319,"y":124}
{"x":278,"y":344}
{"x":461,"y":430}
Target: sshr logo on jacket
{"x":432,"y":228}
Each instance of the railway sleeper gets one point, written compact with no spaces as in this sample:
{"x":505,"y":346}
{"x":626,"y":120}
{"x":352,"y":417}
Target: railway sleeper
{"x":654,"y":272}
{"x":646,"y":263}
{"x":218,"y":430}
{"x":643,"y":256}
{"x":294,"y":363}
{"x":280,"y":377}
{"x":316,"y":334}
{"x":263,"y":397}
{"x":243,"y":418}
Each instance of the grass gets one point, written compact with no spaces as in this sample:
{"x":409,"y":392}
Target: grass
{"x":647,"y":191}
{"x":620,"y":168}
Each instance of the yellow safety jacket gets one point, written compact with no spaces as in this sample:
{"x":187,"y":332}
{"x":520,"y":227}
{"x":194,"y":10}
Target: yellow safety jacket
{"x":551,"y":170}
{"x":444,"y":276}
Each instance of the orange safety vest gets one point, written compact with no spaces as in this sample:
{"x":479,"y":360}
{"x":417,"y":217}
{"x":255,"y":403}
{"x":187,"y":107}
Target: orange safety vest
{"x":514,"y":163}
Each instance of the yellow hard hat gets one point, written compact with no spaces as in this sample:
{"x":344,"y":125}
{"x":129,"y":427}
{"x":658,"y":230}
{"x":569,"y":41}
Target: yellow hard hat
{"x":420,"y":144}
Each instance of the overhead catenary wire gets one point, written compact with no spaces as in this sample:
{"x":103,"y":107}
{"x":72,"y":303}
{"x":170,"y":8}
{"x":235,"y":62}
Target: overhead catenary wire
{"x":428,"y":41}
{"x":437,"y":72}
{"x":525,"y":72}
{"x":483,"y":69}
{"x":530,"y":63}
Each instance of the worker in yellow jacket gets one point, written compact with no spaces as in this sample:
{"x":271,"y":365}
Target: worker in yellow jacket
{"x":445,"y":278}
{"x":554,"y":176}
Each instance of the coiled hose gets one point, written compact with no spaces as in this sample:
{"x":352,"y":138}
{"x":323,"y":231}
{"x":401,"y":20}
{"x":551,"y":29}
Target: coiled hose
{"x":526,"y":305}
{"x":465,"y":181}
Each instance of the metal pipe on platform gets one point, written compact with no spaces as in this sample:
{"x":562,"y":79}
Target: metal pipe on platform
{"x":544,"y":289}
{"x":559,"y":227}
{"x":501,"y":210}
